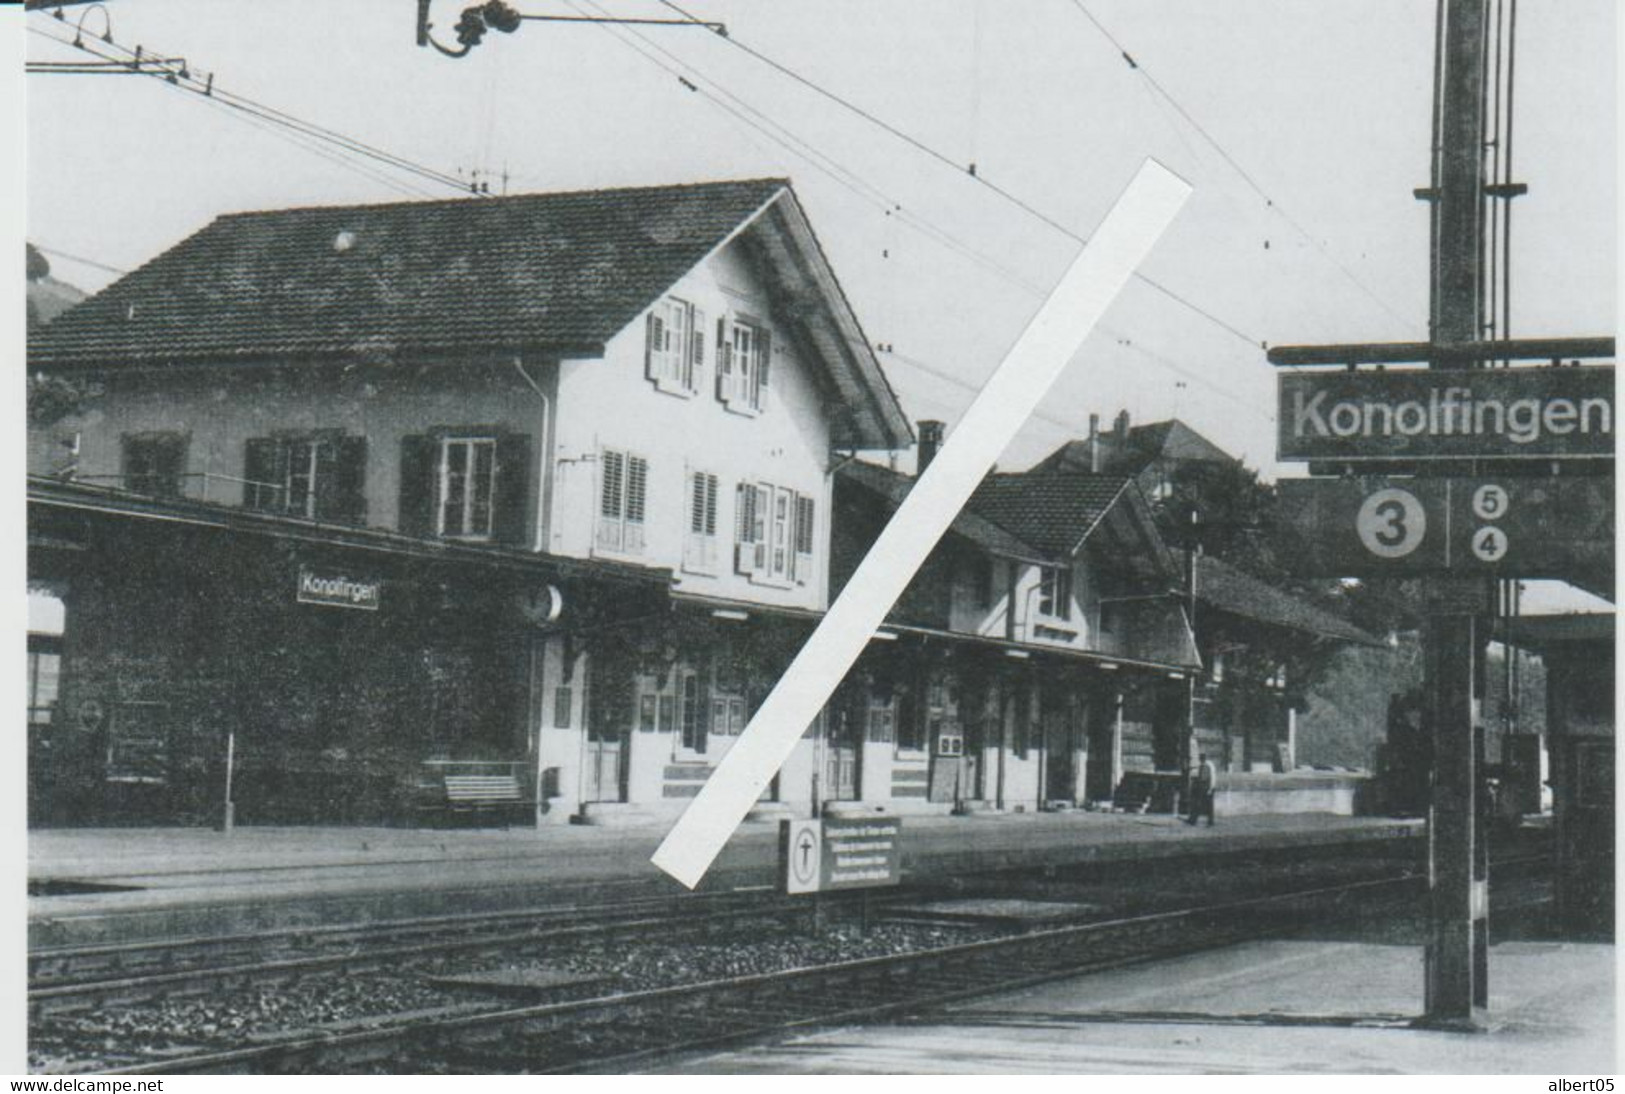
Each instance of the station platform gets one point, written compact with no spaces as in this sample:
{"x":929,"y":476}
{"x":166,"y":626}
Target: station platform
{"x":1326,"y":1006}
{"x":119,"y":884}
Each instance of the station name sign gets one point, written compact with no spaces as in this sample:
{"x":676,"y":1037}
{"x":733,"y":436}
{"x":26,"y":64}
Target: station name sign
{"x":339,"y":590}
{"x":1419,"y":414}
{"x":840,"y":853}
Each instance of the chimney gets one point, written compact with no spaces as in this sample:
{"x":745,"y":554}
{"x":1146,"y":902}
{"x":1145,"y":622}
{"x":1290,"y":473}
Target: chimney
{"x":930,"y":441}
{"x":1094,"y":444}
{"x":1122,"y":425}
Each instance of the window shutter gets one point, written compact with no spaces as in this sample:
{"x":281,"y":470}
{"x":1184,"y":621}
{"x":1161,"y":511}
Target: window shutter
{"x":169,"y":467}
{"x":695,"y":375}
{"x":725,"y":362}
{"x":637,"y":485}
{"x":744,"y":519}
{"x":762,"y":516}
{"x":511,"y":493}
{"x":764,"y":350}
{"x":651,"y":344}
{"x":419,"y":485}
{"x":804,"y":539}
{"x":611,"y":499}
{"x":345,"y":493}
{"x":261,"y":468}
{"x":708,"y":546}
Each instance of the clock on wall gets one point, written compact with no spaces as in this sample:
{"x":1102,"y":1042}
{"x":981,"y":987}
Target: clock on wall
{"x":540,"y":604}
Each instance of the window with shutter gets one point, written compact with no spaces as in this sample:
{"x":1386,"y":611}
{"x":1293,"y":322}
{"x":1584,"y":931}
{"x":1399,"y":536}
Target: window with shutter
{"x":744,"y":346}
{"x":672,"y":346}
{"x":467,"y":487}
{"x":700,"y":543}
{"x":622,"y":500}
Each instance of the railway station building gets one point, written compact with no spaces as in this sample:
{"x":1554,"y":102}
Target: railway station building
{"x":594,"y":394}
{"x":365,"y":514}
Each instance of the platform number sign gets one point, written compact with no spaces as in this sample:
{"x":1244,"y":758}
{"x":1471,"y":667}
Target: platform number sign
{"x":1391,"y":523}
{"x":1490,"y":503}
{"x":801,"y":852}
{"x":1529,"y":527}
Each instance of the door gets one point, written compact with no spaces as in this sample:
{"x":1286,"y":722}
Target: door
{"x":1060,"y":783}
{"x":609,"y":728}
{"x":1102,"y":735}
{"x":841,"y":756}
{"x":944,"y":737}
{"x":604,"y":781}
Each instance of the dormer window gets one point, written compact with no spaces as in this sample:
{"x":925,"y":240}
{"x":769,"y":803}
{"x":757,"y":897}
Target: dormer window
{"x":1055,"y":592}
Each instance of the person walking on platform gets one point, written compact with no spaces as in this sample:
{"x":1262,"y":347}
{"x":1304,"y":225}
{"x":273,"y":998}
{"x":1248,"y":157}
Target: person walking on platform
{"x":1204,"y":778}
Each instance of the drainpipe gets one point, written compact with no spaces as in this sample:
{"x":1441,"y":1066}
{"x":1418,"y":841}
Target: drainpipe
{"x":533,"y":684}
{"x":545,"y":463}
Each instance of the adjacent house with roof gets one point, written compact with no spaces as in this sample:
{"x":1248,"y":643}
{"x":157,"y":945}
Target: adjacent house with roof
{"x":1155,"y":453}
{"x":336,"y":426}
{"x":1033,"y":660}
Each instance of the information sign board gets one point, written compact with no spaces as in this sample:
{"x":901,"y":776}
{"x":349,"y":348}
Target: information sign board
{"x":840,"y":853}
{"x":1506,"y":527}
{"x":338,"y":590}
{"x":1428,"y":414}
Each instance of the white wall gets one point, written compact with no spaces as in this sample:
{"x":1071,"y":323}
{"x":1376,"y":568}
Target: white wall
{"x":609,"y":403}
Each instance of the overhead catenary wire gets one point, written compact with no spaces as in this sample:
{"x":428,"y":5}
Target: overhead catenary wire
{"x":689,"y":77}
{"x":185,"y":81}
{"x":76,"y":258}
{"x":1246,"y":176}
{"x":694,"y":81}
{"x":847,"y":177}
{"x":979,"y":178}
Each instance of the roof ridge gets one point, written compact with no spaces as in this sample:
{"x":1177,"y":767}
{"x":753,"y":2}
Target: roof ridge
{"x":472,"y":198}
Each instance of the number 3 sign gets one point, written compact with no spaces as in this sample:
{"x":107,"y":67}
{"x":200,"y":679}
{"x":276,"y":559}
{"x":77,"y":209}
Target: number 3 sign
{"x":1391,"y":523}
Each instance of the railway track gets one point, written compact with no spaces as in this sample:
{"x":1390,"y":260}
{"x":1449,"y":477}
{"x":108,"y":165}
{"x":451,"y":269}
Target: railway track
{"x":617,"y":1031}
{"x":77,"y":978}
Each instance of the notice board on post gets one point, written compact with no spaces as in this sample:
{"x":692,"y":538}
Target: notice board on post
{"x":840,"y":853}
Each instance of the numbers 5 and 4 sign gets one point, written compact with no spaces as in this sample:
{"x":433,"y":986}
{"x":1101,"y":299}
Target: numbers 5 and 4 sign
{"x":1384,"y":526}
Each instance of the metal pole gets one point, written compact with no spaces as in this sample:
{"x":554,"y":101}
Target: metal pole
{"x":1455,"y":982}
{"x":228,"y":815}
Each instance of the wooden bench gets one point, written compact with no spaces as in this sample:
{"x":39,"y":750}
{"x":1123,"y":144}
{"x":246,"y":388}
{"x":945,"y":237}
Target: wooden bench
{"x":453,"y":790}
{"x":482,"y":791}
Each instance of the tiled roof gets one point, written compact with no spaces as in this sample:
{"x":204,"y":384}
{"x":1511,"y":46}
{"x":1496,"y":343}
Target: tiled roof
{"x":894,"y":487}
{"x":1221,"y":586}
{"x":1054,"y":511}
{"x":562,"y":271}
{"x":1172,"y":439}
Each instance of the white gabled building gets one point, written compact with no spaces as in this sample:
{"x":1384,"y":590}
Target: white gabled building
{"x":601,"y":389}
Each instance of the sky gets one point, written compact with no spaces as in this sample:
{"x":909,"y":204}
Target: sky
{"x":1303,"y":127}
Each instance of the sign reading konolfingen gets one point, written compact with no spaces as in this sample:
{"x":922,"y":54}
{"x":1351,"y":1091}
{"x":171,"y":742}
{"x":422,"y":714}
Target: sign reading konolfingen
{"x":339,"y":591}
{"x":1533,"y":413}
